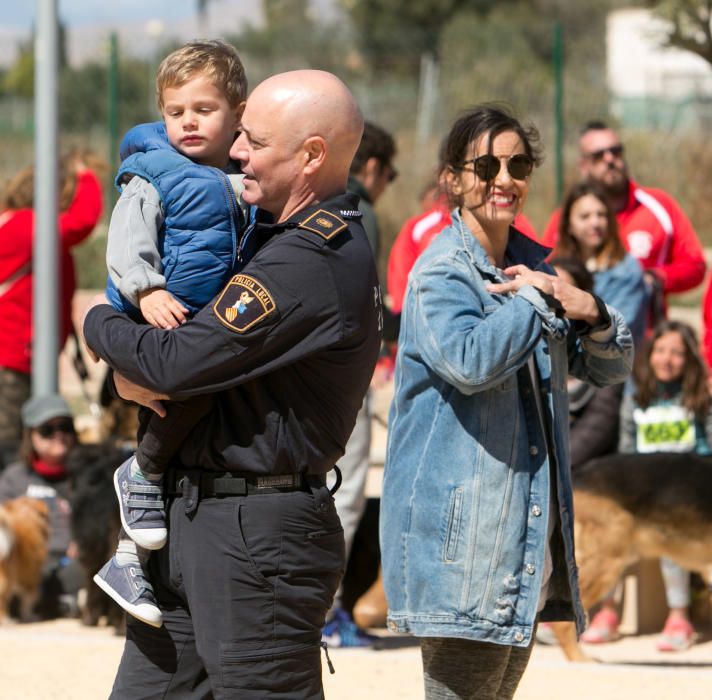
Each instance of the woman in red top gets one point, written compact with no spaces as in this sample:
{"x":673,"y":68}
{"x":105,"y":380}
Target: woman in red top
{"x":80,"y":204}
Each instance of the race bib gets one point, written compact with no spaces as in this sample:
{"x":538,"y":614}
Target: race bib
{"x":665,"y":429}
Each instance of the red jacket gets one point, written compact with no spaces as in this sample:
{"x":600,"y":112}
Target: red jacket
{"x":707,"y":324}
{"x":414,"y":237}
{"x":656,"y":231}
{"x":16,"y":240}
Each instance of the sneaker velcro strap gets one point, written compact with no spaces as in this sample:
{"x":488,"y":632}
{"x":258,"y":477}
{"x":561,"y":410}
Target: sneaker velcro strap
{"x":142,"y":504}
{"x":155,"y":492}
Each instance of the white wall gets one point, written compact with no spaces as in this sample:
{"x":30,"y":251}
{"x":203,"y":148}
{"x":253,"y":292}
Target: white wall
{"x":638,"y":66}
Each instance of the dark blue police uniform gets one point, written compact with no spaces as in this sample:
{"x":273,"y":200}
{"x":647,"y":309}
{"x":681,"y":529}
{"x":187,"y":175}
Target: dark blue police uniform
{"x":255,"y":549}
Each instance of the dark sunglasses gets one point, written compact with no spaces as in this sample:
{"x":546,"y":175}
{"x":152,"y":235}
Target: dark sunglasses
{"x":487,"y":167}
{"x":62,"y":426}
{"x":597,"y":156}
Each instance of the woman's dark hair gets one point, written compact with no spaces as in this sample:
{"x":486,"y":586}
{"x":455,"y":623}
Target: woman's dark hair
{"x":583,"y":279}
{"x":612,"y":250}
{"x":491,"y":120}
{"x":695,"y":396}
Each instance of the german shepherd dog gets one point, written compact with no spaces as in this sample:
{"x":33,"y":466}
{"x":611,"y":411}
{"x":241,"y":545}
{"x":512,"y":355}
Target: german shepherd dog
{"x":632,"y":507}
{"x":24,"y":534}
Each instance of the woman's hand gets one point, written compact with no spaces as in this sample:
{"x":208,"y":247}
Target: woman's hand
{"x":138,"y":394}
{"x":578,"y":305}
{"x":523,"y":275}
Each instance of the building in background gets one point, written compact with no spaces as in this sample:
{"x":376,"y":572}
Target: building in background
{"x":653,"y":86}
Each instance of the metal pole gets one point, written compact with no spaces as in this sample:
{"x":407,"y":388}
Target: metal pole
{"x":46,"y":305}
{"x":559,"y":109}
{"x":113,"y":112}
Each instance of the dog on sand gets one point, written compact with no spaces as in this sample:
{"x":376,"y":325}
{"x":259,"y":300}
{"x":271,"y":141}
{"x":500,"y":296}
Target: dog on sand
{"x":24,"y":534}
{"x":632,"y":507}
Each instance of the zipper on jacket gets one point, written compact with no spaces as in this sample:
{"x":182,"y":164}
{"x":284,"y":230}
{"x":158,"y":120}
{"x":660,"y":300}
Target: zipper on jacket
{"x":236,"y":217}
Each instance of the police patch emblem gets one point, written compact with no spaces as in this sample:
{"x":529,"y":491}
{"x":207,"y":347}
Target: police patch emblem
{"x":243,"y":303}
{"x":324,"y":223}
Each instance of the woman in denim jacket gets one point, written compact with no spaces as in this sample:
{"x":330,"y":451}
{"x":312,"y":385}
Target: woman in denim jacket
{"x":476,"y":510}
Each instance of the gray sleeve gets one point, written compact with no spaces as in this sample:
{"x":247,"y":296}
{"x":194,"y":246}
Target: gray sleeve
{"x":13,"y":482}
{"x":626,"y":436}
{"x":132,"y":248}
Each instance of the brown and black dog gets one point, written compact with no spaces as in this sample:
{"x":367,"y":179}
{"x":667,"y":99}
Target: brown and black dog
{"x":96,"y":523}
{"x":24,"y":534}
{"x":633,"y":507}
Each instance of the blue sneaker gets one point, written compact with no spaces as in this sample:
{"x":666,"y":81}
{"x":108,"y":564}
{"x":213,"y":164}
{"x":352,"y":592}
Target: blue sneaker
{"x":342,"y":631}
{"x":128,"y":586}
{"x":143,"y":513}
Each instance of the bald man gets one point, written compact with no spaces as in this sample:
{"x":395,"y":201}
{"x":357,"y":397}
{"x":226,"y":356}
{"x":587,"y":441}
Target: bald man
{"x":255,"y":549}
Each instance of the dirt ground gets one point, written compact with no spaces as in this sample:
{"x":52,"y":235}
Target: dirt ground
{"x":62,"y":660}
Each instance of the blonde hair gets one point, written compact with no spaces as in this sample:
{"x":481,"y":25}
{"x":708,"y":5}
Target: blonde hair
{"x":214,"y":59}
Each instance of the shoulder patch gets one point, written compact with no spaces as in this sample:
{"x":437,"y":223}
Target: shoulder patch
{"x":323,"y":222}
{"x":243,"y":303}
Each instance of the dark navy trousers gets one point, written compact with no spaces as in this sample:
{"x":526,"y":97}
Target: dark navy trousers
{"x":244,"y":583}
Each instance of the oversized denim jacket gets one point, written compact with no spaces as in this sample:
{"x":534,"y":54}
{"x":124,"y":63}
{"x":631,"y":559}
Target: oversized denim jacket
{"x":467,"y":484}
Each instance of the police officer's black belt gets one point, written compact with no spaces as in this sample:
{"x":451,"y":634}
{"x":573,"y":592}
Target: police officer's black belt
{"x":212,"y":484}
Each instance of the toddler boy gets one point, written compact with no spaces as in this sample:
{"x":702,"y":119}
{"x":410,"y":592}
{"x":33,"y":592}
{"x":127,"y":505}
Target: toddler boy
{"x":177,"y":234}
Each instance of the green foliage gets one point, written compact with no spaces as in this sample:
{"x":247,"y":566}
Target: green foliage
{"x":19,"y":79}
{"x":83,"y":98}
{"x":291,"y":38}
{"x":394,"y":34}
{"x":90,"y":260}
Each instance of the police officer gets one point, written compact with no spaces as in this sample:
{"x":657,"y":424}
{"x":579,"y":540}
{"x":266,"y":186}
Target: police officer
{"x":255,"y":549}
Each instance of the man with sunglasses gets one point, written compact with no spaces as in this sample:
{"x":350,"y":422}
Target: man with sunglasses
{"x":651,"y":223}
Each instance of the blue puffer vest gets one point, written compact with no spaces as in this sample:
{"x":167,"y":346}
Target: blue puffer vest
{"x":198,"y":240}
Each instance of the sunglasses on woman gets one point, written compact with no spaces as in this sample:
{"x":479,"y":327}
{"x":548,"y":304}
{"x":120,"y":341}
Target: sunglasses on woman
{"x":487,"y":167}
{"x":61,"y":426}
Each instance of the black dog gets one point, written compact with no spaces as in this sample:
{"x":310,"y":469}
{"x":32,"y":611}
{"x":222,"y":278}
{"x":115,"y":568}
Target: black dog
{"x":96,"y":523}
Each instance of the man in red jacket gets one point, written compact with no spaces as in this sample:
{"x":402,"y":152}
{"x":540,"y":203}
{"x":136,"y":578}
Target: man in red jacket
{"x":17,"y":219}
{"x":651,"y":223}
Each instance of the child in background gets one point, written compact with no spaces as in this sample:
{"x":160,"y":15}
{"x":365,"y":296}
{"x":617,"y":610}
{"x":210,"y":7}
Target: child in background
{"x":588,"y":232}
{"x":177,"y":234}
{"x":669,"y":411}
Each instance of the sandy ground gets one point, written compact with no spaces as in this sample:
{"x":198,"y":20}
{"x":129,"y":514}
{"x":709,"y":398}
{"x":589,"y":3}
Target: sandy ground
{"x":62,"y":660}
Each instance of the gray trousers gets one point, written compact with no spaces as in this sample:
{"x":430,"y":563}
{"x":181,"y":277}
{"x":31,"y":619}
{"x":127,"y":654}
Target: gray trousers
{"x":462,"y":669}
{"x":350,"y":499}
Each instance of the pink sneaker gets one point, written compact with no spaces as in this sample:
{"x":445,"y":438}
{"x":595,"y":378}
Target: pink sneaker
{"x":677,"y":635}
{"x":603,"y":628}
